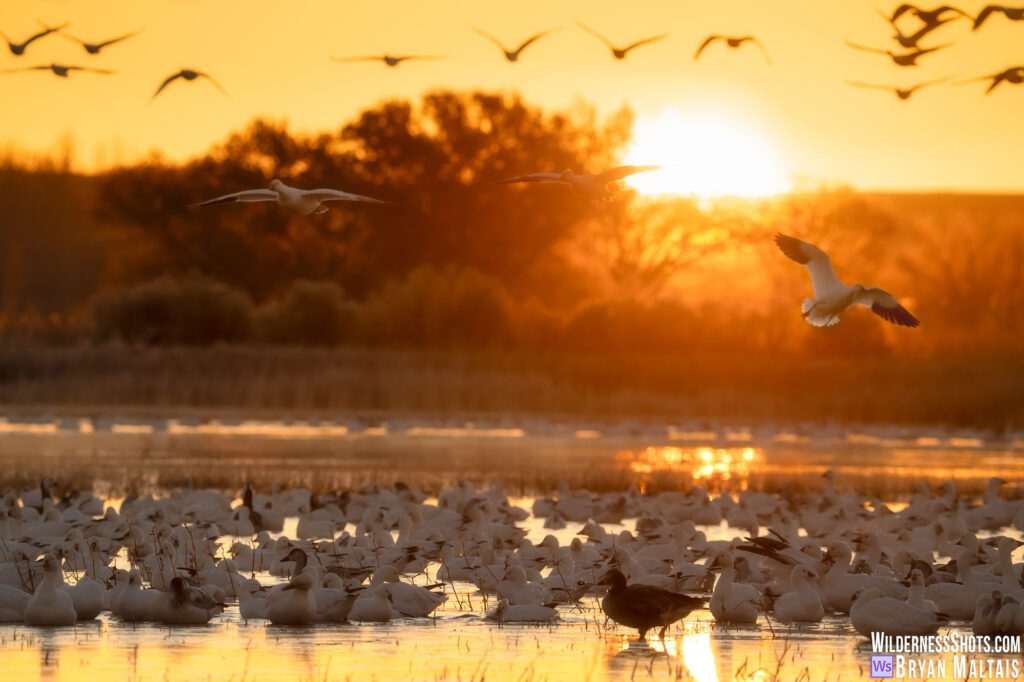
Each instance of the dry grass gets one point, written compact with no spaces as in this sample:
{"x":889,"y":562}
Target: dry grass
{"x":981,"y":391}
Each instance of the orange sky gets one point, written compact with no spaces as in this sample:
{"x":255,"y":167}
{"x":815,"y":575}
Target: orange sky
{"x":273,"y":59}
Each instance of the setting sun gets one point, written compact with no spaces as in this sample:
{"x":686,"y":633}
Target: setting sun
{"x":703,"y":157}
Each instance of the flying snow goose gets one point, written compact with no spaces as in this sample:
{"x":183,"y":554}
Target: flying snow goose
{"x":906,"y":59}
{"x":1011,"y":13}
{"x":18,"y":49}
{"x":298,"y":201}
{"x":1014,"y":74}
{"x":598,"y":186}
{"x":832,"y":297}
{"x":387,"y":59}
{"x":902,"y":93}
{"x":60,"y":70}
{"x":189,"y":75}
{"x":513,"y":55}
{"x":94,"y":48}
{"x":620,"y":52}
{"x":733,"y":42}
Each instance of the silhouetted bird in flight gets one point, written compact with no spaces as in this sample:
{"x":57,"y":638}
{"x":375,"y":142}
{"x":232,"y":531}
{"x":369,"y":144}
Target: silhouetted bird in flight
{"x":931,"y":17}
{"x":599,"y":186}
{"x":619,"y":52}
{"x":734,"y":42}
{"x":644,"y":606}
{"x":513,"y":56}
{"x":299,"y":201}
{"x":1011,"y":13}
{"x":902,"y":93}
{"x":18,"y":49}
{"x":1014,"y":74}
{"x":386,"y":58}
{"x":189,"y":75}
{"x":58,"y":69}
{"x":832,"y":297}
{"x":908,"y":59}
{"x":94,"y":48}
{"x":911,"y":40}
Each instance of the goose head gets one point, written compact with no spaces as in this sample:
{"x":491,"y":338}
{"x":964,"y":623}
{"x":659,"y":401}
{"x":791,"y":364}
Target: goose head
{"x":614,"y":578}
{"x":298,"y":557}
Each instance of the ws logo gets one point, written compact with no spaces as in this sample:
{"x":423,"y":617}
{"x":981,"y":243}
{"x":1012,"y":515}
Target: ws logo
{"x":881,"y":666}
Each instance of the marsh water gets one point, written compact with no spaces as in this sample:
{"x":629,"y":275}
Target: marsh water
{"x":115,"y":457}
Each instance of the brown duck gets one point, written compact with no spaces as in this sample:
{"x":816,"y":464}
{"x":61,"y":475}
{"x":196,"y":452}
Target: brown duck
{"x":643,"y":606}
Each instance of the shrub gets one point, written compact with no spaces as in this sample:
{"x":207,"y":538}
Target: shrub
{"x":190,"y":311}
{"x":441,"y":307}
{"x":626,"y":325}
{"x":311,"y":313}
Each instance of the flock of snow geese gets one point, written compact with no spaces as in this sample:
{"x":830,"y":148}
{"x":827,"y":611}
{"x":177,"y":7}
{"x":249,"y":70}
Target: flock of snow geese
{"x":907,"y":38}
{"x":923,"y":23}
{"x":385,"y":553}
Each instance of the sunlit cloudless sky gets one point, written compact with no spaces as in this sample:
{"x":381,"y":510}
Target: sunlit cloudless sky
{"x":273,"y":58}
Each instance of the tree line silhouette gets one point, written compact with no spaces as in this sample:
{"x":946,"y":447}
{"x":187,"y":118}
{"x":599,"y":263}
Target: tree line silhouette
{"x":457,"y":261}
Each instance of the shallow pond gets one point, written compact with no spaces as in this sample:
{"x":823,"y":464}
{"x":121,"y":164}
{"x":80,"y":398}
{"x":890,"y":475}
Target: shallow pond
{"x":458,"y":644}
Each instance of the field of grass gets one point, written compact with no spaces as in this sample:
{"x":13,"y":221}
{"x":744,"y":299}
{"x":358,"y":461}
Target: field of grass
{"x":978,"y":392}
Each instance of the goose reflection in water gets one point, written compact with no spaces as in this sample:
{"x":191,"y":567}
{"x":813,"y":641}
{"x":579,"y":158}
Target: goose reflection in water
{"x":688,"y":656}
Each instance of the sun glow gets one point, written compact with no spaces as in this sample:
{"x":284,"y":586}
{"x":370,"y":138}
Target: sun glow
{"x":705,"y":157}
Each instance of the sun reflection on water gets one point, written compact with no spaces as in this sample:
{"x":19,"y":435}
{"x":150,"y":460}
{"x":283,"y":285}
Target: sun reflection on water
{"x":719,"y":464}
{"x":699,"y":658}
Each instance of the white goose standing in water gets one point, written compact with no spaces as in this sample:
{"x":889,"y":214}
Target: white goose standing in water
{"x":298,"y":201}
{"x":51,"y":604}
{"x":832,"y":297}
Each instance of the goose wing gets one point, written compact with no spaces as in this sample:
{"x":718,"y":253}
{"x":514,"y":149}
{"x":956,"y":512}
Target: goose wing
{"x":596,"y":34}
{"x":931,"y":82}
{"x":167,"y":81}
{"x":817,"y":262}
{"x":901,"y":10}
{"x":532,"y":39}
{"x":491,"y":38}
{"x":212,"y":80}
{"x":707,"y":41}
{"x":246,"y":196}
{"x":761,"y":46}
{"x":921,"y":51}
{"x":885,"y":305}
{"x":367,"y":58}
{"x":659,"y":600}
{"x":533,"y":177}
{"x":984,"y":14}
{"x":338,"y":195}
{"x":48,"y":30}
{"x":865,"y":48}
{"x":620,"y":172}
{"x":859,"y":84}
{"x":645,"y":41}
{"x":105,"y":43}
{"x":89,"y":68}
{"x":647,"y":604}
